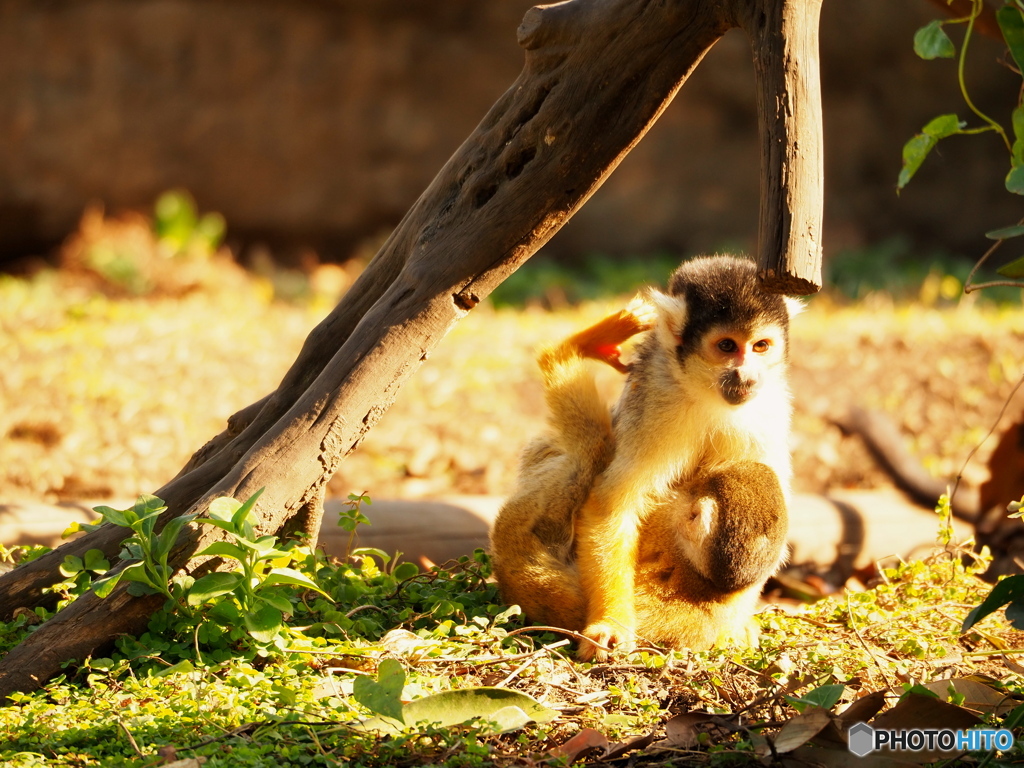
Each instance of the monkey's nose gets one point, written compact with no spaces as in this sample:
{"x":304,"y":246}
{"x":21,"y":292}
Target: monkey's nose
{"x":738,"y":388}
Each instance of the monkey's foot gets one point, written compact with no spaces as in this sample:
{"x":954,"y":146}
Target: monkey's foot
{"x":604,"y":637}
{"x":745,"y":635}
{"x":601,"y":341}
{"x":642,"y":312}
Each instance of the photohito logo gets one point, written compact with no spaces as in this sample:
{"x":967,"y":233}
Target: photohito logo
{"x":863,"y":739}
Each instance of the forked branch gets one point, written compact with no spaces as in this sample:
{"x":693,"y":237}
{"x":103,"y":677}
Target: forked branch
{"x":598,"y":73}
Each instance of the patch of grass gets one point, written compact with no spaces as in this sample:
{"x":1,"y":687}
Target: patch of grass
{"x":217,"y":696}
{"x":893,"y":267}
{"x":897,"y":268}
{"x":548,"y":283}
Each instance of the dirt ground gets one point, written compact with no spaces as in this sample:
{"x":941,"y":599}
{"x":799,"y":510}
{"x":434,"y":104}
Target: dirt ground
{"x":106,"y":398}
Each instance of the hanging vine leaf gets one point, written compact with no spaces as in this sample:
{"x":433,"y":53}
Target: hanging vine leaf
{"x":1011,"y":24}
{"x":1015,"y":271}
{"x":932,"y":42}
{"x":917,"y":149}
{"x":1005,"y":233}
{"x":1015,"y":180}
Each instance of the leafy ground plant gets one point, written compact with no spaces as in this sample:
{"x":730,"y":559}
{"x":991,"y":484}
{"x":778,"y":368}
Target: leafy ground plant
{"x":259,"y":602}
{"x":145,"y":551}
{"x":387,"y":665}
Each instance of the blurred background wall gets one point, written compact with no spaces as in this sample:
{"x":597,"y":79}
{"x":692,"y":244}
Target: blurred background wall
{"x":316,"y":123}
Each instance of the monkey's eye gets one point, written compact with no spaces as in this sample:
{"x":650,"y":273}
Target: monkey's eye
{"x":728,"y":346}
{"x":761,"y":346}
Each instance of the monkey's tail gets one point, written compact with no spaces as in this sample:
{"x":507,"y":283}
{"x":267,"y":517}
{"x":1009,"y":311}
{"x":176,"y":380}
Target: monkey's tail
{"x":886,"y":445}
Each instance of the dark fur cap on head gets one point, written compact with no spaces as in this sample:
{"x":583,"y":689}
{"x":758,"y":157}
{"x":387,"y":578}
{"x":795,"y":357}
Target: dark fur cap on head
{"x":724,"y":290}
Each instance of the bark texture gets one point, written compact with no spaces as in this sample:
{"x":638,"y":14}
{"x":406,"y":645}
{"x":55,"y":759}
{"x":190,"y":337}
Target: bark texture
{"x":598,"y":73}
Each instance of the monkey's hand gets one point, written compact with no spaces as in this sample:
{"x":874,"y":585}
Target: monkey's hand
{"x":604,"y":637}
{"x":602,"y":340}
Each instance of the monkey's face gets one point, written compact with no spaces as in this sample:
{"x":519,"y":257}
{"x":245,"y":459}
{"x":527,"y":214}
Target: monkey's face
{"x":740,"y":360}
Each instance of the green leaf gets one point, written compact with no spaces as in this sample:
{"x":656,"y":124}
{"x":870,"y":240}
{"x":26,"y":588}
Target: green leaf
{"x":71,"y":565}
{"x":181,"y":666}
{"x":917,"y":149}
{"x":140,"y":588}
{"x":95,"y":561}
{"x":508,"y":710}
{"x":919,"y":690}
{"x":405,"y":571}
{"x":213,"y":585}
{"x":1005,"y":233}
{"x":1009,"y":590}
{"x":1011,"y":24}
{"x":168,"y":536}
{"x":243,"y":511}
{"x":264,"y":623}
{"x":223,"y":508}
{"x":280,"y":602}
{"x":224,"y":549}
{"x":130,"y":549}
{"x":147,"y":506}
{"x":103,"y":588}
{"x":293,"y":577}
{"x":137,"y":572}
{"x":943,"y":126}
{"x":1018,"y":135}
{"x":226,"y":613}
{"x":825,"y":696}
{"x":914,"y":153}
{"x":116,"y":516}
{"x":364,"y":551}
{"x":1014,"y":270}
{"x":382,"y":696}
{"x":224,"y":525}
{"x":265,"y":545}
{"x":1015,"y":180}
{"x":932,"y":42}
{"x":77,"y":527}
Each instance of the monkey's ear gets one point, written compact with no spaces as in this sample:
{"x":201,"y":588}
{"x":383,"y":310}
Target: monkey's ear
{"x":671,"y":317}
{"x":794,"y":306}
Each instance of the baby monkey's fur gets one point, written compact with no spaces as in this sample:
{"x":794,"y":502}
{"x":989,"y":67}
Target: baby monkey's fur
{"x":665,"y":522}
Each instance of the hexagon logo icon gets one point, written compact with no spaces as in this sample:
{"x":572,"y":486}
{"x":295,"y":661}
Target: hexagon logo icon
{"x":861,"y":739}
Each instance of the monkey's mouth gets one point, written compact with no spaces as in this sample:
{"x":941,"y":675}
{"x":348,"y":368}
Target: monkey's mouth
{"x":737,"y":390}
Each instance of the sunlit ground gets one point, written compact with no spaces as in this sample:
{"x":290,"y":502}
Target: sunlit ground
{"x":107,"y":397}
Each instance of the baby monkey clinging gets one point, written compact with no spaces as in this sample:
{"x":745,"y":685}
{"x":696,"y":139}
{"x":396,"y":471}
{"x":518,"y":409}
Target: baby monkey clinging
{"x":706,"y":394}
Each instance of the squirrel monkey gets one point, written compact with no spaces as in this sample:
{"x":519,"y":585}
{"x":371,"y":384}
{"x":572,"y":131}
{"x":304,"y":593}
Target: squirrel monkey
{"x":705,"y":406}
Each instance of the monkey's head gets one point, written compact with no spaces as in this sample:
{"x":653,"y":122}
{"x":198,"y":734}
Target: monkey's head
{"x":733,"y":531}
{"x":727,"y":334}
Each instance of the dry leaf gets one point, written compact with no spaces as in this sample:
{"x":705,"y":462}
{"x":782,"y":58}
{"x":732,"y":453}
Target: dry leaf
{"x":191,"y":762}
{"x":863,"y":709}
{"x":681,"y":730}
{"x":579,"y":745}
{"x":978,"y":697}
{"x":918,"y":712}
{"x":639,"y":742}
{"x":801,"y":729}
{"x":839,"y":758}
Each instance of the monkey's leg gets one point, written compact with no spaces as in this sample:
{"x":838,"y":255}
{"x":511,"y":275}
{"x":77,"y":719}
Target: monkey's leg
{"x":532,"y":555}
{"x":606,"y":552}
